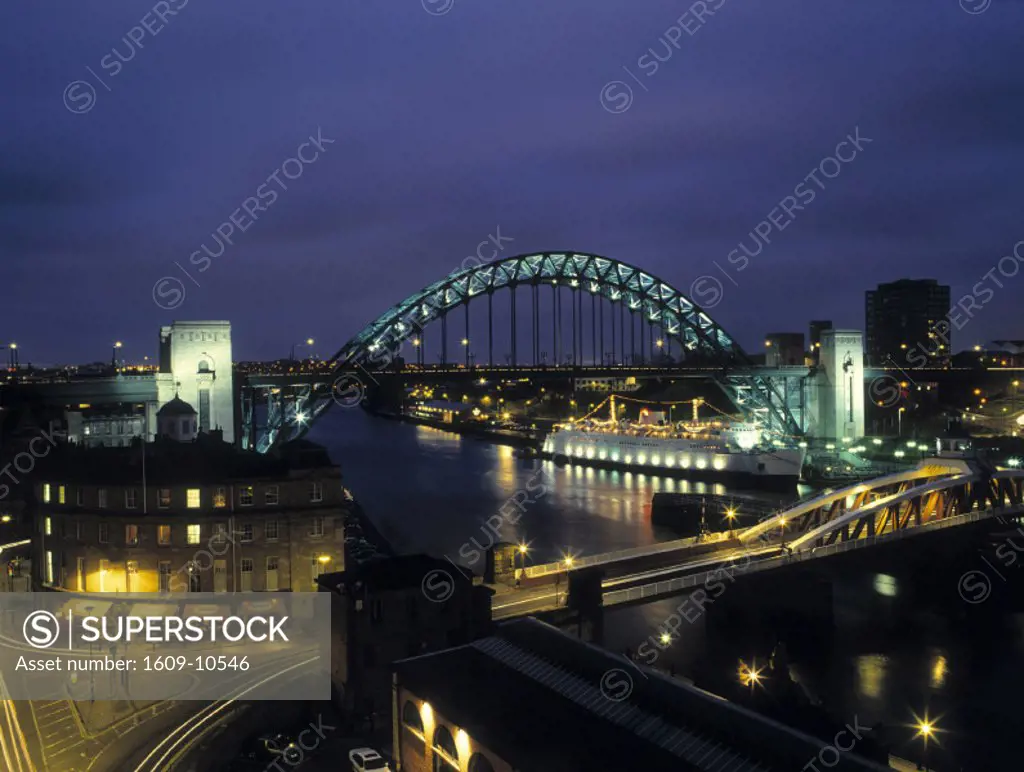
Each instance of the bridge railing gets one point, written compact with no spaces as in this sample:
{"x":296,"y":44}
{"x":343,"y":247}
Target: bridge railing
{"x":657,"y":589}
{"x":547,"y":569}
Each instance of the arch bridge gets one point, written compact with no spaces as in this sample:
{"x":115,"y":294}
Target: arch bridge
{"x":626,"y":305}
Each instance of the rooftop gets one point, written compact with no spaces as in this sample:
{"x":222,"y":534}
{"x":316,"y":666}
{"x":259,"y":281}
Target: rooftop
{"x":543,"y":700}
{"x":206,"y":460}
{"x":395,"y":572}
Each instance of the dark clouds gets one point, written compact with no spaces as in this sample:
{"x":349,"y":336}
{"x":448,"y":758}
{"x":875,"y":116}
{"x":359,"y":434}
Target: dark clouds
{"x":449,"y":126}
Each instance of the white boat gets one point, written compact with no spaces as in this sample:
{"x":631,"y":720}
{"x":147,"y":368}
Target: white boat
{"x":693,"y":449}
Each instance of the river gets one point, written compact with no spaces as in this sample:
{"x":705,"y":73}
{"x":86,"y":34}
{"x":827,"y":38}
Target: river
{"x":432,"y":491}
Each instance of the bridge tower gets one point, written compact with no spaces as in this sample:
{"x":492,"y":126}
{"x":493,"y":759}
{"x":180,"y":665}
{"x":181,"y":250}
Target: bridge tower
{"x":196,"y":366}
{"x":839,"y":385}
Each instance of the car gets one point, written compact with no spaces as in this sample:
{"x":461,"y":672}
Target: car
{"x":273,"y":747}
{"x":367,"y":760}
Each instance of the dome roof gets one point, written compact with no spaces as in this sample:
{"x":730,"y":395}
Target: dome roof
{"x":176,"y":406}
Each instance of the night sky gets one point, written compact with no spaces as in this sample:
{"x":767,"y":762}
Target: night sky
{"x":446,"y":126}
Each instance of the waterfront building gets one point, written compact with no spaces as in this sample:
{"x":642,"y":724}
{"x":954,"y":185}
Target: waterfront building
{"x":187,"y":512}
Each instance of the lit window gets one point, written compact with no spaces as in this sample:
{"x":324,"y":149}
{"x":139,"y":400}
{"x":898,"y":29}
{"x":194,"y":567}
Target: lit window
{"x":316,"y":492}
{"x":46,"y":493}
{"x":270,"y":530}
{"x":192,"y":499}
{"x":131,"y":535}
{"x":220,"y":498}
{"x":48,"y":526}
{"x":129,"y":498}
{"x":193,"y":533}
{"x":245,"y":495}
{"x":49,"y":567}
{"x":163,"y":535}
{"x":246,"y":565}
{"x":101,"y":500}
{"x":271,"y":496}
{"x":60,"y":494}
{"x":104,"y":533}
{"x":163,"y":498}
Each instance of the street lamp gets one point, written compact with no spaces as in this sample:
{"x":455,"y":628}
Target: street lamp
{"x":926,"y":729}
{"x":522,"y":550}
{"x":113,"y":354}
{"x":730,"y":515}
{"x":899,"y":419}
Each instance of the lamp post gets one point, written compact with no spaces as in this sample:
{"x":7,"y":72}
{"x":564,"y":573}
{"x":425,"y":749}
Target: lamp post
{"x":522,"y":550}
{"x":899,"y":420}
{"x":113,"y":354}
{"x":925,"y":730}
{"x":730,"y":516}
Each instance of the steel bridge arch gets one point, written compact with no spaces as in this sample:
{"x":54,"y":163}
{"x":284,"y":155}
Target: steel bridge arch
{"x":656,"y":300}
{"x":374,"y":347}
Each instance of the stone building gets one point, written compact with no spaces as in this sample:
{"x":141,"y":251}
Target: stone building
{"x":187,"y":512}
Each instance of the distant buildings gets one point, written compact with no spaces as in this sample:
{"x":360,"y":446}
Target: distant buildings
{"x":784,"y":349}
{"x":902,"y":323}
{"x":818,"y":326}
{"x":187,"y":513}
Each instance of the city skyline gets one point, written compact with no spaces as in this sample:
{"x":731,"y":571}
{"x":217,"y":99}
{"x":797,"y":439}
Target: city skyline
{"x":423,"y":150}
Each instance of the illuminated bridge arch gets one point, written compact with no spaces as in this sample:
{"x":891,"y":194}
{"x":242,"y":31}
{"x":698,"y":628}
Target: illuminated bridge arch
{"x":645,"y":296}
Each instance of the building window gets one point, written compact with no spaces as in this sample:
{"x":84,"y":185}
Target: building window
{"x":220,"y":533}
{"x":192,"y":498}
{"x":220,"y":498}
{"x":316,"y":492}
{"x":272,"y":574}
{"x":270,"y":530}
{"x":165,"y":575}
{"x":412,"y":720}
{"x":79,"y":497}
{"x":318,"y":527}
{"x":49,"y":567}
{"x":163,"y":498}
{"x":61,"y":494}
{"x":101,"y":498}
{"x":446,"y":755}
{"x":48,"y":526}
{"x":271,"y":495}
{"x":192,"y":533}
{"x":131,"y":535}
{"x":247,"y":565}
{"x":129,"y":498}
{"x":103,"y":536}
{"x":246,"y":533}
{"x":163,"y":535}
{"x":245,"y":495}
{"x":131,"y":572}
{"x":46,"y":493}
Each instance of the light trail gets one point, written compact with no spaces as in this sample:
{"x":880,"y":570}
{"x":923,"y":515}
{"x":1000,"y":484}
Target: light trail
{"x":175,"y":742}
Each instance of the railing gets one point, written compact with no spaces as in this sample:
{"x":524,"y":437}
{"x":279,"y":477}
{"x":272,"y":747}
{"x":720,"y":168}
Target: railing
{"x":656,"y":589}
{"x":546,"y":569}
